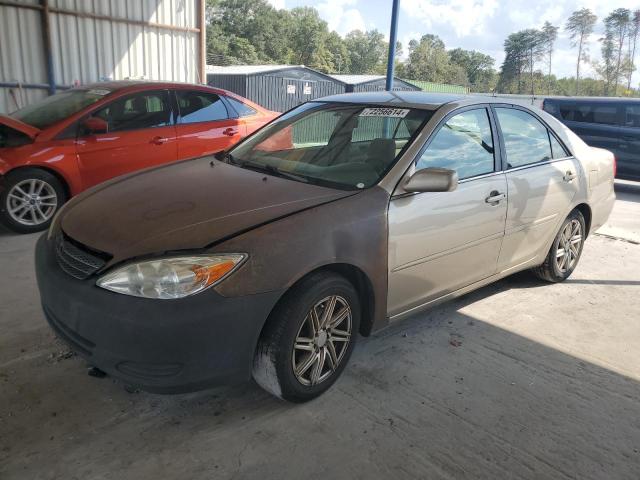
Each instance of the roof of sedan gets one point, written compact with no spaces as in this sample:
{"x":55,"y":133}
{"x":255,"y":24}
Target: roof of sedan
{"x":120,"y":84}
{"x":422,"y":100}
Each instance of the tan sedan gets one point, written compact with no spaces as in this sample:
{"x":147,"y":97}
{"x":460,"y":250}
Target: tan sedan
{"x":339,"y":217}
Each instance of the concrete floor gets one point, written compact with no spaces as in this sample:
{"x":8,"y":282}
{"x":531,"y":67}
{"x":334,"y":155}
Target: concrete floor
{"x":517,"y":380}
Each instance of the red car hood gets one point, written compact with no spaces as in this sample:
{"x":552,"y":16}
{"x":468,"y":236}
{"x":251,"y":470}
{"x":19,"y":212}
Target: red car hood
{"x":185,"y":205}
{"x":22,"y":127}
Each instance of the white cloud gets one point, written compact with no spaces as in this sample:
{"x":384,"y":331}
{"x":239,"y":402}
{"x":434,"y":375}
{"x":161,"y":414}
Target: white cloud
{"x":340,"y":17}
{"x":465,"y":17}
{"x":279,"y":4}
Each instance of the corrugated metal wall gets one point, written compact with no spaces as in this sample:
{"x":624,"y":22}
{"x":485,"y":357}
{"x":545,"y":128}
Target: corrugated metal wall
{"x":89,"y":49}
{"x":275,"y":93}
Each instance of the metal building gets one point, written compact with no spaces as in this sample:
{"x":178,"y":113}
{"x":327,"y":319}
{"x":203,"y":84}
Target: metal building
{"x":48,"y":45}
{"x":276,"y":87}
{"x":370,"y":83}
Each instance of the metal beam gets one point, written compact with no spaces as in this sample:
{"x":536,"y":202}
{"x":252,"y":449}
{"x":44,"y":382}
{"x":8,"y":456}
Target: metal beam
{"x":393,"y":36}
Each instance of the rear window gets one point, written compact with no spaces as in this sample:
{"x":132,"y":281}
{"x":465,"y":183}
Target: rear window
{"x":632,"y":116}
{"x":589,"y":113}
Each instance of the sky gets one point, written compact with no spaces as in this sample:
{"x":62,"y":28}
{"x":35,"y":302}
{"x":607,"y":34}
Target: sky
{"x":470,"y":24}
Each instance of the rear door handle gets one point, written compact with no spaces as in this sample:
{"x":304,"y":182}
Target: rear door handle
{"x":159,"y":140}
{"x":229,"y":132}
{"x":495,"y":197}
{"x":569,"y":176}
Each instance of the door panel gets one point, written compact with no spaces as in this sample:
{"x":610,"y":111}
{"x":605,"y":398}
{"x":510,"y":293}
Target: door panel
{"x":204,"y":126}
{"x":539,"y":196}
{"x":440,"y":242}
{"x":140,"y":134}
{"x":540,"y":189}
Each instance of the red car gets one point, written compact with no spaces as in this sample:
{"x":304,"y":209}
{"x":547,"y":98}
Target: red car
{"x":55,"y":149}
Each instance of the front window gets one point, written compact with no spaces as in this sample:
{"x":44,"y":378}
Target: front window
{"x":340,"y":145}
{"x":464,"y":144}
{"x":57,"y":107}
{"x":137,"y":112}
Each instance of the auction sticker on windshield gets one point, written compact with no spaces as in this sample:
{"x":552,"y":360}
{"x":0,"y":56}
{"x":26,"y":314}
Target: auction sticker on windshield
{"x":385,"y":112}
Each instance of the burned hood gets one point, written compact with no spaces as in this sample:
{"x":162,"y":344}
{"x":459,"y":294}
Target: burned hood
{"x":185,"y":205}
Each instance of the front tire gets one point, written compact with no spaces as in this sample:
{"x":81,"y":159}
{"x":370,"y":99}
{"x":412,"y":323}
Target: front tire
{"x":30,"y":199}
{"x":308,"y":338}
{"x":565,"y":251}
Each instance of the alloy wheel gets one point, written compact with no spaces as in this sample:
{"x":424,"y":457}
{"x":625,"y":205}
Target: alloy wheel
{"x":568,"y":246}
{"x":32,"y":202}
{"x":322,"y":340}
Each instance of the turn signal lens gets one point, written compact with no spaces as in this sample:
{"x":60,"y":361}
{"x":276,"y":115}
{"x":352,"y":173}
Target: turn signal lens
{"x":170,"y":278}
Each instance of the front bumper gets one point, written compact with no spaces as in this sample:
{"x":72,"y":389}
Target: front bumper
{"x":162,"y":346}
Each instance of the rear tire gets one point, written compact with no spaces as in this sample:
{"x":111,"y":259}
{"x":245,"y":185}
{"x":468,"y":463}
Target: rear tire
{"x":565,"y":250}
{"x":30,"y":199}
{"x":301,"y":354}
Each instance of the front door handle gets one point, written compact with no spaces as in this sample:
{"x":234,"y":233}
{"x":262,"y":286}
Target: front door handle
{"x":569,"y":176}
{"x":495,"y":197}
{"x":229,"y":132}
{"x":159,"y":140}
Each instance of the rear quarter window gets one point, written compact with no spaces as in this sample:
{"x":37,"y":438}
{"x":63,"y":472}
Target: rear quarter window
{"x":594,"y":113}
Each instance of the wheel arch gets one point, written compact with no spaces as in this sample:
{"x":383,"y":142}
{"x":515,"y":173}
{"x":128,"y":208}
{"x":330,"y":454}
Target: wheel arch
{"x":360,"y":281}
{"x":585,"y":209}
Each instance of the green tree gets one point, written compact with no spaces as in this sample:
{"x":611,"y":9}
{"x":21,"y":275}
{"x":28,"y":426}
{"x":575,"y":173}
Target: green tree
{"x":429,"y":61}
{"x":367,"y":51}
{"x":549,"y":36}
{"x":477,"y":67}
{"x":634,"y":31}
{"x":617,"y":27}
{"x":580,"y":26}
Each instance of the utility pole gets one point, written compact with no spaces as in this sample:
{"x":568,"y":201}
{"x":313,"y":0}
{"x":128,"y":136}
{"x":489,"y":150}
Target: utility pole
{"x":393,"y":35}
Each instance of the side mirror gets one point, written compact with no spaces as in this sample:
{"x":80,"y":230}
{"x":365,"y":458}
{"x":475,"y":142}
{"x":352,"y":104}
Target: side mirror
{"x":432,"y":180}
{"x":95,"y":125}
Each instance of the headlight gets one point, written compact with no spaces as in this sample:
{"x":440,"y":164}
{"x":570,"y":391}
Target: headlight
{"x":169,"y":278}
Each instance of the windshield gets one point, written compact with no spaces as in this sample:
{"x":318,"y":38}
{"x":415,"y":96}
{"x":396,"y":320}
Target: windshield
{"x":336,"y":144}
{"x":58,"y":107}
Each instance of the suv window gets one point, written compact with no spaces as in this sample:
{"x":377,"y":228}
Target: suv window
{"x":243,"y":109}
{"x":526,"y":139}
{"x":136,"y":112}
{"x":464,"y":144}
{"x":198,"y":106}
{"x":632,"y":116}
{"x":594,"y":113}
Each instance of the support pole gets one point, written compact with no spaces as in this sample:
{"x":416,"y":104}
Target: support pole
{"x":393,"y":35}
{"x":46,"y":43}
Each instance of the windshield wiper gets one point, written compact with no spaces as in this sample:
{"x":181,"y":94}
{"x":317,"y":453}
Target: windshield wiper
{"x":270,"y":169}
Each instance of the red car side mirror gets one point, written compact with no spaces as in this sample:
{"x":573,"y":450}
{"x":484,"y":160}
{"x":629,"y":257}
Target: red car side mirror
{"x":95,"y":125}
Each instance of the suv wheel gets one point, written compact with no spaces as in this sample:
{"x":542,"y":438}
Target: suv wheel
{"x":308,"y":338}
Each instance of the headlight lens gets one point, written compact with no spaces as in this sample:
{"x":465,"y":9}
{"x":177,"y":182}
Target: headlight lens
{"x":169,"y":278}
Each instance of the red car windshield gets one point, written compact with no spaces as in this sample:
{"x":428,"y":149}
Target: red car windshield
{"x":57,"y":107}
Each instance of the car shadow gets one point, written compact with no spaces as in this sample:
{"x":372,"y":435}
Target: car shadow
{"x":443,"y":394}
